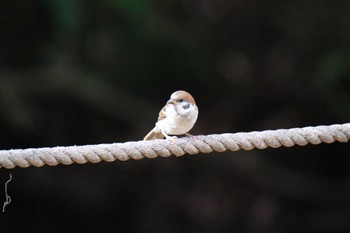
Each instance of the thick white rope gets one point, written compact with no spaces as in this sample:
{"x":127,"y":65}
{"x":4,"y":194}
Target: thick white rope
{"x":165,"y":148}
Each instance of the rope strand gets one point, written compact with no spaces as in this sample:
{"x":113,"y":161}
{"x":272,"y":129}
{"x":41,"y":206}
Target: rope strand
{"x":151,"y":149}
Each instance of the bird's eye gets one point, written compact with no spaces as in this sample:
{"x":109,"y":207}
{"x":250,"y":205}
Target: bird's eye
{"x":181,"y":100}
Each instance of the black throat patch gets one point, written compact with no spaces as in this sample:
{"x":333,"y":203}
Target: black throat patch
{"x":185,"y":105}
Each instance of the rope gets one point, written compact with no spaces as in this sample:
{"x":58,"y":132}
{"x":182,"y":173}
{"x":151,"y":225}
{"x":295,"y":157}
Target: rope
{"x":178,"y":147}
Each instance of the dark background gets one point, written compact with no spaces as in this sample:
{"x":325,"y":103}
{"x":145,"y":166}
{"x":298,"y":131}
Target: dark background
{"x":76,"y":72}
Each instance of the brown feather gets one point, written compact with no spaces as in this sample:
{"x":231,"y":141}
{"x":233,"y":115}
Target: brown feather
{"x":162,"y":114}
{"x":152,"y":135}
{"x":183,"y":95}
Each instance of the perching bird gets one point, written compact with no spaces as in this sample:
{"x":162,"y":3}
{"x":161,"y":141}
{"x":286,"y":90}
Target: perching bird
{"x":177,"y":117}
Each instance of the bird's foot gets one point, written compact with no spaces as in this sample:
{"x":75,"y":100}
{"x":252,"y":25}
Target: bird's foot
{"x":192,"y":137}
{"x":171,"y":138}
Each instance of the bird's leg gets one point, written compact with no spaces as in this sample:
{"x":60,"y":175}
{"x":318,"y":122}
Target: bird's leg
{"x":172,"y":138}
{"x":191,"y":136}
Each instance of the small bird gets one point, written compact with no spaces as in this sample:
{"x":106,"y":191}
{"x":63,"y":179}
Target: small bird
{"x":177,"y":117}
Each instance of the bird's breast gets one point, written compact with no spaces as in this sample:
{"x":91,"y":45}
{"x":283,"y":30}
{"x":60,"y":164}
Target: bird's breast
{"x":178,"y":124}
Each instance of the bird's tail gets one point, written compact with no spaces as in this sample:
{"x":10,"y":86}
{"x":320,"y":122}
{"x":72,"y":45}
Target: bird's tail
{"x":154,"y":134}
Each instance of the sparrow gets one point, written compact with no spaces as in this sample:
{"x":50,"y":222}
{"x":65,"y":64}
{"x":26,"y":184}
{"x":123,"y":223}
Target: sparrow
{"x":177,"y":117}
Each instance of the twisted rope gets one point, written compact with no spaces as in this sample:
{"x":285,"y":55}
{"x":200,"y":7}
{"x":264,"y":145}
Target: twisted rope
{"x":151,"y":149}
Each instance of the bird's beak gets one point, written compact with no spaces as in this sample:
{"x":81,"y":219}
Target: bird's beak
{"x":172,"y":102}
